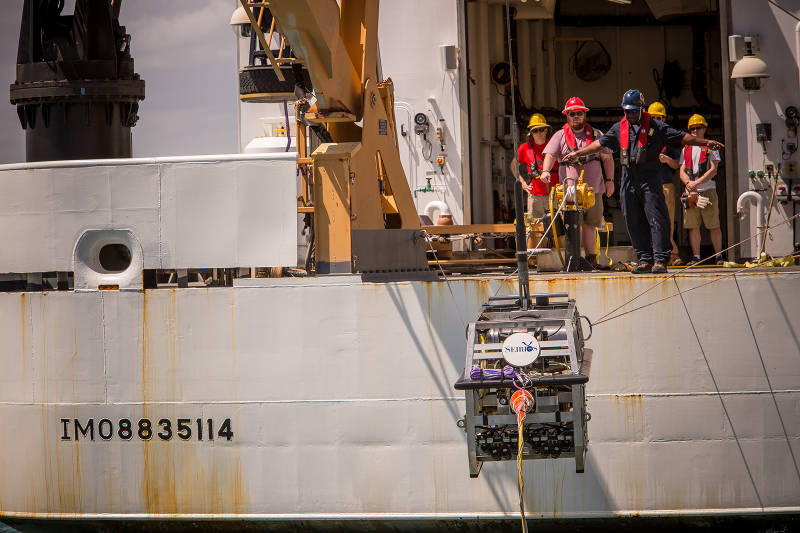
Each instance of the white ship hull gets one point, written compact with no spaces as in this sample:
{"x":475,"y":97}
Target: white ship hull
{"x":341,"y":406}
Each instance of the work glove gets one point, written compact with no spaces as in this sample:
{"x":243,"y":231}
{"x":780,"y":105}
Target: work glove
{"x":703,"y":202}
{"x":569,"y":194}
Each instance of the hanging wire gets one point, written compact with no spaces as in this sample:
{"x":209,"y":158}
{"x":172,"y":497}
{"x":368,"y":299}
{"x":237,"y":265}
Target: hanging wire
{"x":515,"y":136}
{"x":604,"y":318}
{"x":715,"y":280}
{"x":449,"y":287}
{"x":719,"y":395}
{"x":766,"y":375}
{"x":538,"y":244}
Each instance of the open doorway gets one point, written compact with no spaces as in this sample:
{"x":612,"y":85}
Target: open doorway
{"x":595,"y":50}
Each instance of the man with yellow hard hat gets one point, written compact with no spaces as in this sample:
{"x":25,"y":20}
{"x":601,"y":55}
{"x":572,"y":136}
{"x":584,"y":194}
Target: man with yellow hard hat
{"x":531,"y":158}
{"x":669,"y":164}
{"x":698,"y":168}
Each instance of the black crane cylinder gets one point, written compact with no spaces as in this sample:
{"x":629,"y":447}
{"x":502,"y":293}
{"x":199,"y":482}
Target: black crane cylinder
{"x":76,"y":91}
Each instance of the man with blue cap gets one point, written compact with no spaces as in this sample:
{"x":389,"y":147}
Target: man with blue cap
{"x":640,"y":140}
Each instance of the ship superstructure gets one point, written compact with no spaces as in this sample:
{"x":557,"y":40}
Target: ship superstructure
{"x":168,"y":357}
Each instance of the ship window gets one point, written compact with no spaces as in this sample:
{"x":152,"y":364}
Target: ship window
{"x":115,"y":257}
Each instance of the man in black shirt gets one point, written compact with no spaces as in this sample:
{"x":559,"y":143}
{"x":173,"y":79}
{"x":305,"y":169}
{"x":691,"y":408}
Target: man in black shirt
{"x":640,"y":140}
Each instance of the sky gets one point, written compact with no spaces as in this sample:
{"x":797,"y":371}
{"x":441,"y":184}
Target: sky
{"x":186,"y":53}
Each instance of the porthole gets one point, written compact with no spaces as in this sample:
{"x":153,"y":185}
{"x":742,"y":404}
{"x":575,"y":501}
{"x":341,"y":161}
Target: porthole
{"x":115,"y":257}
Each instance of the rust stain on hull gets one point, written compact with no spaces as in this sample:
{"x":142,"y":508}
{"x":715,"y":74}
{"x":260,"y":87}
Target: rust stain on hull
{"x":180,"y":477}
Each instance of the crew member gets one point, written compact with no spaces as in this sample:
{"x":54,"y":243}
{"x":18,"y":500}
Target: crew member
{"x":640,"y":141}
{"x":531,"y":158}
{"x":598,"y":171}
{"x":669,"y":163}
{"x":698,"y":168}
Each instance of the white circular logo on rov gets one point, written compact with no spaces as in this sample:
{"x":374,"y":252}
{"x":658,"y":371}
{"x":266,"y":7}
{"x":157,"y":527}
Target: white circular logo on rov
{"x":521,"y":349}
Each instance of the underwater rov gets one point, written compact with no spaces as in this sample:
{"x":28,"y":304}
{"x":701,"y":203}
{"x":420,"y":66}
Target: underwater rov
{"x":535,"y":346}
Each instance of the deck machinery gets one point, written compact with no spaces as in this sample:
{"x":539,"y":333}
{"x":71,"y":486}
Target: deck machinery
{"x":538,"y":347}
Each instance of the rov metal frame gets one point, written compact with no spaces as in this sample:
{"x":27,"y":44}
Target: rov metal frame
{"x":557,"y":378}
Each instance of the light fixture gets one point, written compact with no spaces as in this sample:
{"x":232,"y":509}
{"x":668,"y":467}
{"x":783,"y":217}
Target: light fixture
{"x":239,"y":16}
{"x":240,"y":22}
{"x":749,"y":68}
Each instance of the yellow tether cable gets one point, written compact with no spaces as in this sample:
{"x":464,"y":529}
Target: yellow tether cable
{"x":520,"y":439}
{"x":553,"y":225}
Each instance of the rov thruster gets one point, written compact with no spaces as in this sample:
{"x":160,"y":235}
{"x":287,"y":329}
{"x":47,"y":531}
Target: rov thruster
{"x":538,"y":349}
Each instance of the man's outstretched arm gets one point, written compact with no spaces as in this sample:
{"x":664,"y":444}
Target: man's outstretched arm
{"x":696,"y":141}
{"x":586,"y":150}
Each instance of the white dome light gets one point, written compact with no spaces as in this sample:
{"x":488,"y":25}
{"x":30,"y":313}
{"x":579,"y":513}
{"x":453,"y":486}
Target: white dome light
{"x":239,"y":16}
{"x":750,"y":66}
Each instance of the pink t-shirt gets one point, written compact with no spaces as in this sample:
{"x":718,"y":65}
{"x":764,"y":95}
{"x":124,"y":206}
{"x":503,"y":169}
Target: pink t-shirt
{"x":593,"y":170}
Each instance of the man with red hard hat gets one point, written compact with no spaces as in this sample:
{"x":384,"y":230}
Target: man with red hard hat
{"x":598,"y":170}
{"x":640,"y":141}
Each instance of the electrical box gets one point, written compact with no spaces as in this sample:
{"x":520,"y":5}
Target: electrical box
{"x":791,"y":169}
{"x":503,"y":127}
{"x":737,"y":46}
{"x":449,"y":54}
{"x":763,"y":132}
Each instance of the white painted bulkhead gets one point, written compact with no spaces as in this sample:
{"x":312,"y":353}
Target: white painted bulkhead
{"x":352,"y":414}
{"x":778,"y":36}
{"x":187,"y":212}
{"x":410,"y":36}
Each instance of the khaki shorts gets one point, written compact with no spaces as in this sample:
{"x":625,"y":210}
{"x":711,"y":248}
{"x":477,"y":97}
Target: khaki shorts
{"x":709,"y":216}
{"x":538,"y":205}
{"x":594,"y":215}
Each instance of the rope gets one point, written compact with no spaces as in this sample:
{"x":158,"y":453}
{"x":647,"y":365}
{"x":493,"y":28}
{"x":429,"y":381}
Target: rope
{"x":667,"y":278}
{"x":521,"y":415}
{"x":538,"y":244}
{"x":598,"y":247}
{"x":449,"y":287}
{"x":521,"y":401}
{"x":721,"y":401}
{"x":507,"y":372}
{"x":766,"y":375}
{"x":552,"y":219}
{"x":720,"y":278}
{"x":521,"y":483}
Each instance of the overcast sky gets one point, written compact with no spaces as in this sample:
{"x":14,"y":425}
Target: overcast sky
{"x":183,"y":49}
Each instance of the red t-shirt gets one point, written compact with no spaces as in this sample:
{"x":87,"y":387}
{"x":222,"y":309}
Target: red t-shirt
{"x":531,"y":154}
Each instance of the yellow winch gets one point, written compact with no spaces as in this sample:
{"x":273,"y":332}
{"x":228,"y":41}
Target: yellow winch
{"x":584,"y":195}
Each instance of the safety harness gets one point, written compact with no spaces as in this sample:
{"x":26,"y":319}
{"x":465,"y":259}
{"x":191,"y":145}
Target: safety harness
{"x":572,"y":143}
{"x":534,"y":169}
{"x":641,"y":141}
{"x":702,"y":164}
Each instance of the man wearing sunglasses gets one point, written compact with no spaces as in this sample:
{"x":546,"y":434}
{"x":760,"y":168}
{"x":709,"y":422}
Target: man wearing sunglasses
{"x":531,"y":158}
{"x":640,"y":141}
{"x":698,"y":168}
{"x":598,"y":170}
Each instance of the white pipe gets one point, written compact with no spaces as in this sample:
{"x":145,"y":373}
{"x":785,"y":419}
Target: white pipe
{"x":797,"y":47}
{"x":437,"y":205}
{"x":536,"y":42}
{"x":483,"y":211}
{"x":758,"y":200}
{"x":524,"y":61}
{"x":550,"y":31}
